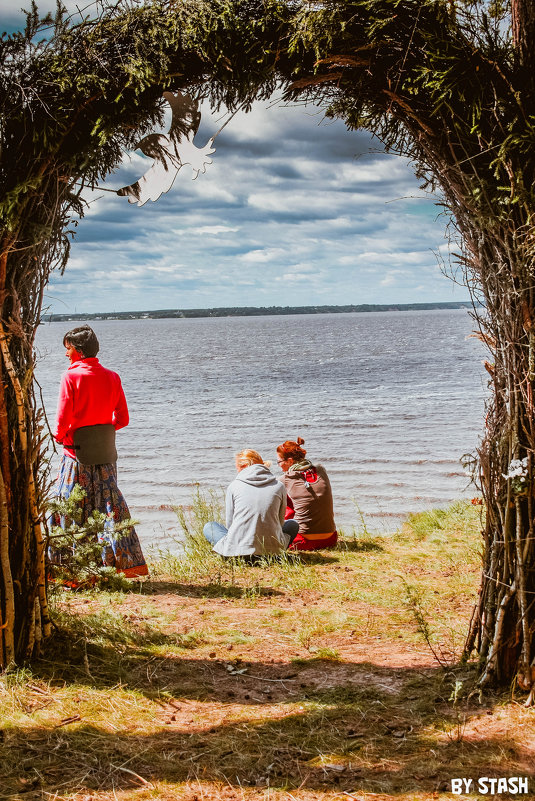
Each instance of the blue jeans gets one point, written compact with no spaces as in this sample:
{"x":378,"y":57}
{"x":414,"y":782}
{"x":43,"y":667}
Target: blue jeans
{"x":214,"y":531}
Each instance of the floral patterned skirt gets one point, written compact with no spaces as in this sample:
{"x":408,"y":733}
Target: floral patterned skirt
{"x":102,"y":493}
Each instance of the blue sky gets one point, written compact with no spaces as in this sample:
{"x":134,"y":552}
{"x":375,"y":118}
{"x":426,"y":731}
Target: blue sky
{"x":294,"y":210}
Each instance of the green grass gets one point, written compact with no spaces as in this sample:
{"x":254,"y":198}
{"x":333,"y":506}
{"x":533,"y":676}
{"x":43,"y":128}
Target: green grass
{"x":434,"y":557}
{"x":306,"y":677}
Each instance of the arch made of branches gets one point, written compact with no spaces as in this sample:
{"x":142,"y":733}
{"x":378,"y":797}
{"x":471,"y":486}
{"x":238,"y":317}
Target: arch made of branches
{"x":450,"y":86}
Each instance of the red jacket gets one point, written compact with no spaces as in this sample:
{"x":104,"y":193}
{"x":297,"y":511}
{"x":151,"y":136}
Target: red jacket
{"x":89,"y":395}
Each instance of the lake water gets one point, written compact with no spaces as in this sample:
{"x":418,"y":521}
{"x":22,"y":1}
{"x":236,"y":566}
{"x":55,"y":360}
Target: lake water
{"x":387,"y":401}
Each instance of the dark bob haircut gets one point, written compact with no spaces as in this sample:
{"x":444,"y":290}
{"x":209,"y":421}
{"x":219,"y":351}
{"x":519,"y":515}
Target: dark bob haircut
{"x":83,"y":339}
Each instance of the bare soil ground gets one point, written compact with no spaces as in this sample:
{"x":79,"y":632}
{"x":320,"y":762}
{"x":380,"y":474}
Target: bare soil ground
{"x":298,"y":682}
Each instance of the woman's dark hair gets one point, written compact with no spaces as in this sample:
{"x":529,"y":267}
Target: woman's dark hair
{"x":83,"y":339}
{"x":292,"y":450}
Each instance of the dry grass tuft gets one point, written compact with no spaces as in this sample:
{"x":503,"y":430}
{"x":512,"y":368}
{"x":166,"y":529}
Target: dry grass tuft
{"x":304,"y":678}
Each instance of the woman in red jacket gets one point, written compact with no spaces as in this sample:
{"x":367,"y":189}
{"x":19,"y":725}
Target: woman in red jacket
{"x":91,"y":407}
{"x":310,"y":494}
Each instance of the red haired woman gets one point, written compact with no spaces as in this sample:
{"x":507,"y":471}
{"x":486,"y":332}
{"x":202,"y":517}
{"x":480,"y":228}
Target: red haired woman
{"x":309,"y":490}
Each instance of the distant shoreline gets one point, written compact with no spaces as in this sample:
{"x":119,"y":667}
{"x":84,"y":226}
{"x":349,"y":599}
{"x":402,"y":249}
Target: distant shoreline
{"x":253,"y":311}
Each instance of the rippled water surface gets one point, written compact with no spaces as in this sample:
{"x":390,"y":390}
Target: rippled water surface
{"x":387,"y":401}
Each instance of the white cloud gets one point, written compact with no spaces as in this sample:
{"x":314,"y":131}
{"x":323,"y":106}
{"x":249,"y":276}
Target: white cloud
{"x":295,"y":277}
{"x":393,"y":276}
{"x":261,"y":256}
{"x":214,"y":230}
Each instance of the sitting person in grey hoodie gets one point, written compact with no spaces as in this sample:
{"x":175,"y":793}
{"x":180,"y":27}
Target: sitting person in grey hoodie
{"x":255,"y":508}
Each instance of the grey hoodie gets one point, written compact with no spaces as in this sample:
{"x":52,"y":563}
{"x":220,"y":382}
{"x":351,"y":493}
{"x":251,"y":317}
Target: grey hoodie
{"x":255,"y":507}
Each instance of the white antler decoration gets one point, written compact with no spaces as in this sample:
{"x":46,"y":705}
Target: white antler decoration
{"x":171,"y":152}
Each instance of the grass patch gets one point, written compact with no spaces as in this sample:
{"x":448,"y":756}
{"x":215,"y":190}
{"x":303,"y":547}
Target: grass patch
{"x":305,"y":678}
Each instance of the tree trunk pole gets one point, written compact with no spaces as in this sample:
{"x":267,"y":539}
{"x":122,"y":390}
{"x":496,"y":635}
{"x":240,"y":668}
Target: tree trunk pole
{"x":7,"y":656}
{"x":4,"y":417}
{"x":523,"y":31}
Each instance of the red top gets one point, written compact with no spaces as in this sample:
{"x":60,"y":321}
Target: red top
{"x":89,"y":395}
{"x":290,"y":511}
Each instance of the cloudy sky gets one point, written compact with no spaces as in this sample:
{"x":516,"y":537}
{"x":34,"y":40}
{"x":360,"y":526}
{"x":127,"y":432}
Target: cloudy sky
{"x":294,"y":210}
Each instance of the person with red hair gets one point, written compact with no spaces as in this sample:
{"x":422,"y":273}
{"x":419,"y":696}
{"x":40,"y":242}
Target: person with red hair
{"x":310,"y":495}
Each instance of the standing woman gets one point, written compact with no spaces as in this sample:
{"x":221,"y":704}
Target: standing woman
{"x":309,"y":491}
{"x":91,"y":407}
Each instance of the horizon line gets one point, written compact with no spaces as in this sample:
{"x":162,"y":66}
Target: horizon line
{"x":238,"y":311}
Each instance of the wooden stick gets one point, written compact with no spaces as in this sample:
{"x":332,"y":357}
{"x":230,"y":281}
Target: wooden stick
{"x":133,"y":773}
{"x":496,"y":643}
{"x":8,"y":626}
{"x":6,"y":246}
{"x":32,"y":495}
{"x":526,"y":638}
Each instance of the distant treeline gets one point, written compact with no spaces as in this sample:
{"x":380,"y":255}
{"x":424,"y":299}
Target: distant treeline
{"x":254,"y":311}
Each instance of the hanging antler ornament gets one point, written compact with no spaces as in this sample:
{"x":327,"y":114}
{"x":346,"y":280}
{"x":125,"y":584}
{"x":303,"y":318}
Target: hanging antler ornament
{"x":171,"y":151}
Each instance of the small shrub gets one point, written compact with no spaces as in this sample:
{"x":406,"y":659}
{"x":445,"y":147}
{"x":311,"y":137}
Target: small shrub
{"x":206,"y":505}
{"x":329,"y":654}
{"x":78,"y":546}
{"x":422,"y":524}
{"x":456,"y":520}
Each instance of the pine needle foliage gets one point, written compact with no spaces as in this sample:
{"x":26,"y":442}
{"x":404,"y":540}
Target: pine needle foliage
{"x":80,"y":545}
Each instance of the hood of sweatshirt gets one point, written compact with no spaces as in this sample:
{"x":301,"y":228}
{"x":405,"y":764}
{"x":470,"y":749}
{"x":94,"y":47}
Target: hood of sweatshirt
{"x":256,"y":475}
{"x":301,"y":467}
